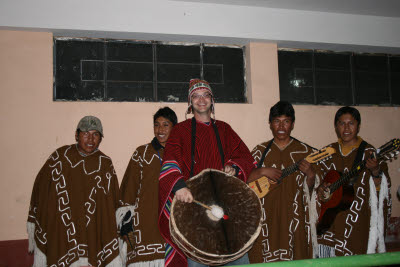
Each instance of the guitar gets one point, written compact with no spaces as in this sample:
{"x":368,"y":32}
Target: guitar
{"x":341,"y":193}
{"x":263,"y":185}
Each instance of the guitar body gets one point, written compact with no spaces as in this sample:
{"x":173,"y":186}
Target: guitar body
{"x":340,"y":200}
{"x":262,"y":186}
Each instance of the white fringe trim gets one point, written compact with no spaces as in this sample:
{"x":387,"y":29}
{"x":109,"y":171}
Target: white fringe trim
{"x":80,"y":262}
{"x":30,"y":228}
{"x":39,"y":260}
{"x":155,"y":263}
{"x":313,"y":215}
{"x":117,"y":262}
{"x":383,"y":194}
{"x":376,"y":239}
{"x":120,"y":214}
{"x":123,"y":250}
{"x":83,"y":261}
{"x":373,"y":224}
{"x":325,"y":251}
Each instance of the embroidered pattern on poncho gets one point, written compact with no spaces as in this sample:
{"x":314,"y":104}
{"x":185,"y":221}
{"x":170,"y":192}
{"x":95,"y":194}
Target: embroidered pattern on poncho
{"x":74,"y":199}
{"x":139,"y":190}
{"x":361,"y":228}
{"x":286,"y":230}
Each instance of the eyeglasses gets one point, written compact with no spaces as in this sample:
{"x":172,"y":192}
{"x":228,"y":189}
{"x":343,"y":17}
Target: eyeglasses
{"x":205,"y":96}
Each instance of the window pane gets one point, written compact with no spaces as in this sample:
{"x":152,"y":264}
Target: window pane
{"x":333,"y":79}
{"x":173,"y":92}
{"x":176,"y":65}
{"x":123,"y":70}
{"x":129,"y":51}
{"x":224,"y":70}
{"x":132,"y":91}
{"x":371,"y":79}
{"x":79,"y":70}
{"x":395,"y":79}
{"x":295,"y":77}
{"x":129,"y":71}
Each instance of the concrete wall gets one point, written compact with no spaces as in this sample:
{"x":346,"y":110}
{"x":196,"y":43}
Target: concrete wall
{"x":33,"y":126}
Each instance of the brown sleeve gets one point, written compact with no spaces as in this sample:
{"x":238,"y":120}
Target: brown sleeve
{"x":131,"y":181}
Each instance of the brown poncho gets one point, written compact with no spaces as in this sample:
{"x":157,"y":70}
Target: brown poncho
{"x":286,"y":230}
{"x":71,"y":219}
{"x":360,"y":229}
{"x":139,"y":190}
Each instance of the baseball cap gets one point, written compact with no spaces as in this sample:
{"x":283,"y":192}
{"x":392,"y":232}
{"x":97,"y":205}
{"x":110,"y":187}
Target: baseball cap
{"x":89,"y":123}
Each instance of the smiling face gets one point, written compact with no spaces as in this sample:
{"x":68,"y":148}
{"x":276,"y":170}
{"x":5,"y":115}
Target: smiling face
{"x":281,"y":128}
{"x":201,"y":102}
{"x":88,"y":142}
{"x":162,"y":129}
{"x":347,"y":129}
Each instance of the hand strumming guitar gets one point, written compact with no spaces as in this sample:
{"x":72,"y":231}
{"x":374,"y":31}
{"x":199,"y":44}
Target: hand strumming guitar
{"x":272,"y":173}
{"x":373,"y":166}
{"x":323,"y":192}
{"x":306,"y":168}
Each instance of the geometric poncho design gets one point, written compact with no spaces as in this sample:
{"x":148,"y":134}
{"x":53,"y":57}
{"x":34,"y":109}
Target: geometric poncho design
{"x":361,"y":228}
{"x":71,"y":219}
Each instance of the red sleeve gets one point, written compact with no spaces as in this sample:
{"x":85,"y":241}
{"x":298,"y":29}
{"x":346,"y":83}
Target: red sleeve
{"x":170,"y":173}
{"x":238,"y":153}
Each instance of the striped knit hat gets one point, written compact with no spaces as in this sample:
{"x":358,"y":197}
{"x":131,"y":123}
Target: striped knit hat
{"x":197,"y":84}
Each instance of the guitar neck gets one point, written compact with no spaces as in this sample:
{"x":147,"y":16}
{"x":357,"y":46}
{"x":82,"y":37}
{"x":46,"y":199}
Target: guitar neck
{"x":289,"y":170}
{"x":346,"y":177}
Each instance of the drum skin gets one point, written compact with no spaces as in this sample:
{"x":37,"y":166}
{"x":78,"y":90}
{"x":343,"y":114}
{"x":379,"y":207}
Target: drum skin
{"x":210,"y":241}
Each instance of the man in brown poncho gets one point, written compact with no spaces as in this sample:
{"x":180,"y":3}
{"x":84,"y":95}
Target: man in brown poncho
{"x":286,"y":232}
{"x":75,"y":196}
{"x":360,"y":228}
{"x":139,"y":190}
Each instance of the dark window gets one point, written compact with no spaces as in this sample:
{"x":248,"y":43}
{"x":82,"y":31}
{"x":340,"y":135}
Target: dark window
{"x":371,"y":80}
{"x":296,"y":77}
{"x":395,"y":79}
{"x":333,"y":79}
{"x":114,"y":70}
{"x":328,"y":78}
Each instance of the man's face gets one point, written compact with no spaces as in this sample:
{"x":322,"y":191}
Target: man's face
{"x":88,"y":142}
{"x":201,"y":101}
{"x":281,"y":127}
{"x":347,"y":129}
{"x":162,"y":129}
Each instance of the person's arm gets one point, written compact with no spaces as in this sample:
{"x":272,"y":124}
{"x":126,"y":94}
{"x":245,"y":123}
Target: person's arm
{"x":38,"y":214}
{"x":374,"y":169}
{"x":272,"y":173}
{"x":172,"y":179}
{"x":237,"y":153}
{"x":131,"y":181}
{"x":306,"y":168}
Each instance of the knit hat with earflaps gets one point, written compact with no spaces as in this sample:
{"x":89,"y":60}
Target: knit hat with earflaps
{"x":194,"y":85}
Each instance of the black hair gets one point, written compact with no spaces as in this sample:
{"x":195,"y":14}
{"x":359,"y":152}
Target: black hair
{"x":348,"y":110}
{"x":167,"y":113}
{"x":281,"y":108}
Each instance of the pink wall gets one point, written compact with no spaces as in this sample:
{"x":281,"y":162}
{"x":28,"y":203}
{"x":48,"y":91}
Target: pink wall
{"x":33,"y":125}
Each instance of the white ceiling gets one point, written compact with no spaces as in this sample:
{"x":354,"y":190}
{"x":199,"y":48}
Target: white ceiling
{"x":370,"y":26}
{"x":384,"y":8}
